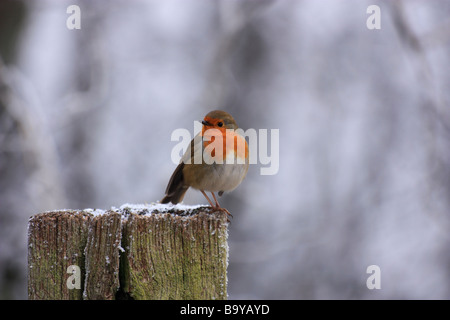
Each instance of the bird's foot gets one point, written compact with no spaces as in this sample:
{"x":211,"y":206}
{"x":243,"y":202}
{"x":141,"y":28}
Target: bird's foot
{"x":223,"y":210}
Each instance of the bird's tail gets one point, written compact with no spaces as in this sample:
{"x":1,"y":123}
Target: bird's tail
{"x":176,"y":195}
{"x":176,"y":189}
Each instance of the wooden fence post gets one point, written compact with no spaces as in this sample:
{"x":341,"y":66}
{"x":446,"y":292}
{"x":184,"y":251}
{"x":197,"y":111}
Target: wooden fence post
{"x":56,"y":240}
{"x":134,"y":252}
{"x":102,"y":257}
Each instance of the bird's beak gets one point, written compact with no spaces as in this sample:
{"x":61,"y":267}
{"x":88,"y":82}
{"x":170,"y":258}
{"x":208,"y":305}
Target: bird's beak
{"x":206,"y":123}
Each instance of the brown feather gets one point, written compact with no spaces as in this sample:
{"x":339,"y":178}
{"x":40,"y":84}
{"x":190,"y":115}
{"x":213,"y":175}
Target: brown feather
{"x":176,"y":189}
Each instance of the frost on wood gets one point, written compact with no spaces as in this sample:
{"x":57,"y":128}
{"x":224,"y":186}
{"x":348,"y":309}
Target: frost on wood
{"x":135,"y":251}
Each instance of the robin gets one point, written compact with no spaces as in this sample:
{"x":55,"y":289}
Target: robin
{"x":222,"y":168}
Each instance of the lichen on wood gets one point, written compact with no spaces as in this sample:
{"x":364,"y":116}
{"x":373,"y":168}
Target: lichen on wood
{"x":175,"y":257}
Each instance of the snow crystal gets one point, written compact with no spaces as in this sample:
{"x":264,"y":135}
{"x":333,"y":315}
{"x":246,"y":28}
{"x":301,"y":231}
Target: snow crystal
{"x":95,"y":212}
{"x":161,"y":207}
{"x":142,"y":209}
{"x":156,"y":208}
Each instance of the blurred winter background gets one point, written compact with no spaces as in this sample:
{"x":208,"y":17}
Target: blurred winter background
{"x":86,"y":118}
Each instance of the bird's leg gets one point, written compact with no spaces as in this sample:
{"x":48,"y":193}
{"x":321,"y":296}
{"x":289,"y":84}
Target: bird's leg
{"x":218,"y":207}
{"x":217,"y":202}
{"x":207,"y":198}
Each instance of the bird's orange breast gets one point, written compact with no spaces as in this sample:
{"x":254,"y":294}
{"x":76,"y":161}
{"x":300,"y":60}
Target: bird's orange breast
{"x":231,"y":142}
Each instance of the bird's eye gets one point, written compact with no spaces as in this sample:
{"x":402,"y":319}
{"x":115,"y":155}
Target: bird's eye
{"x":220,"y":124}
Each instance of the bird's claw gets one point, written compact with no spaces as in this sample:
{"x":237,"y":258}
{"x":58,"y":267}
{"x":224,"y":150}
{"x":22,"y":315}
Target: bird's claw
{"x":223,"y":210}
